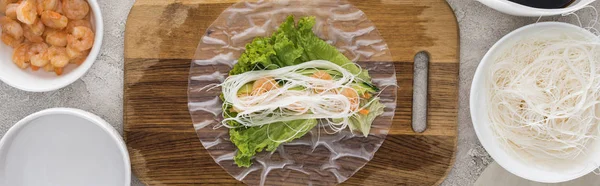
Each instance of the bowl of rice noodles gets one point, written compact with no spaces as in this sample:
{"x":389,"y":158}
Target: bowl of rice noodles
{"x":535,"y":102}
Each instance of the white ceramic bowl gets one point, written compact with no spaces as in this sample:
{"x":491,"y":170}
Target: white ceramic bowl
{"x":560,"y":172}
{"x":521,"y":10}
{"x":42,"y":81}
{"x":66,"y":147}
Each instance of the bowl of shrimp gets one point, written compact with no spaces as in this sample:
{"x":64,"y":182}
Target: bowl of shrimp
{"x":48,"y":44}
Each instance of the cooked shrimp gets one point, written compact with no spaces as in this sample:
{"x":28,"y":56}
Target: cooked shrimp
{"x":20,"y":56}
{"x":322,"y":75}
{"x":75,"y":9}
{"x":58,"y":38}
{"x":59,"y":8}
{"x":58,"y":57}
{"x":81,"y":39}
{"x":48,"y":31}
{"x":12,"y":32}
{"x":73,"y":53}
{"x":11,"y":10}
{"x":38,"y":27}
{"x":38,"y":54}
{"x":4,"y":20}
{"x":31,"y":35}
{"x":11,"y":27}
{"x":319,"y":74}
{"x":26,"y":12}
{"x":49,"y":68}
{"x":75,"y":23}
{"x":54,"y":20}
{"x":263,"y":85}
{"x":4,"y":4}
{"x":11,"y":41}
{"x":352,"y":96}
{"x":79,"y":60}
{"x":43,"y":5}
{"x":37,"y":6}
{"x":77,"y":57}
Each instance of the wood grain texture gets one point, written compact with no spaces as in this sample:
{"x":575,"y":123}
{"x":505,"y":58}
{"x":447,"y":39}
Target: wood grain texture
{"x":162,"y":37}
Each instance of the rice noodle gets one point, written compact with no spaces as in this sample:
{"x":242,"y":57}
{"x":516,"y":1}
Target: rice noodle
{"x":296,"y":99}
{"x":543,"y":96}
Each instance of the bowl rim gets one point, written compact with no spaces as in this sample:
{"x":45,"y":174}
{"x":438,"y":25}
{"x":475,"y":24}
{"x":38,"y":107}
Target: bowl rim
{"x":480,"y":122}
{"x":82,"y":69}
{"x":92,"y":118}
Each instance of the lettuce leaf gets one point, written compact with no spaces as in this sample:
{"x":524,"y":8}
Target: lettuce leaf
{"x":256,"y":57}
{"x":317,"y":49}
{"x":252,"y":140}
{"x":290,"y":45}
{"x":363,"y":123}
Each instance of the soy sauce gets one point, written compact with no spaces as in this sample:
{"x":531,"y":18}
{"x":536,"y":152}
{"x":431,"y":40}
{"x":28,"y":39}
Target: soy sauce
{"x":547,"y":4}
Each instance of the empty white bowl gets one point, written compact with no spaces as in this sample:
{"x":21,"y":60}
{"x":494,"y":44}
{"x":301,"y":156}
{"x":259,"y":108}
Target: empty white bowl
{"x":66,"y":147}
{"x":512,"y":8}
{"x":561,"y":171}
{"x":42,"y":81}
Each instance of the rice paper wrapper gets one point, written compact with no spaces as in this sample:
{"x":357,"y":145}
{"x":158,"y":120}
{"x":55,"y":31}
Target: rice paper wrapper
{"x":318,"y":158}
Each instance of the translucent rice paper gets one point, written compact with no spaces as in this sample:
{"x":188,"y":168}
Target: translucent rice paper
{"x":317,"y":158}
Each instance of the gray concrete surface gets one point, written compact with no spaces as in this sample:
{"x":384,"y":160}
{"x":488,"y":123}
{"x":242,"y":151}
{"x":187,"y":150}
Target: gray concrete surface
{"x":100,"y":91}
{"x":495,"y":175}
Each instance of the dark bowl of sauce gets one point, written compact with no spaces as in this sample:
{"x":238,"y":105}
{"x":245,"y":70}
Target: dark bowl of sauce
{"x":546,"y":4}
{"x":536,"y":8}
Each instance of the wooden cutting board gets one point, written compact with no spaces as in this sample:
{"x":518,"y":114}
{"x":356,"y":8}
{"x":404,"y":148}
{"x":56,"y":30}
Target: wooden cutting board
{"x":161,"y":39}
